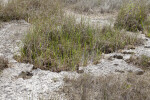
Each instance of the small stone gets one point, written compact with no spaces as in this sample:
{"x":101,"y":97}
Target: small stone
{"x":116,"y":64}
{"x":146,"y":39}
{"x":125,"y":52}
{"x":139,"y":72}
{"x":80,"y":71}
{"x":118,"y":56}
{"x":120,"y":71}
{"x":146,"y":46}
{"x":110,"y":58}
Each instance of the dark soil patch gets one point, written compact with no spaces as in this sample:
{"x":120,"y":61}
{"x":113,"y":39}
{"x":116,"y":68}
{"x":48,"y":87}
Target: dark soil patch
{"x":3,"y":63}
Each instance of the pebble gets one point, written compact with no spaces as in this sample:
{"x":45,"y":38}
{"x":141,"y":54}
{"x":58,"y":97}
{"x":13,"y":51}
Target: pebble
{"x":118,"y":56}
{"x":139,"y":72}
{"x":146,"y":46}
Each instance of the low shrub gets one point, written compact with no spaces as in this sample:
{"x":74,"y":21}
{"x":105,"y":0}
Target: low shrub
{"x":132,"y":16}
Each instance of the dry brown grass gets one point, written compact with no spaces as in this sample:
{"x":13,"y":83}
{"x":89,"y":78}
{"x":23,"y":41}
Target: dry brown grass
{"x":94,"y":6}
{"x":132,"y":16}
{"x":142,"y":61}
{"x":29,"y":10}
{"x":117,"y":87}
{"x":3,"y":63}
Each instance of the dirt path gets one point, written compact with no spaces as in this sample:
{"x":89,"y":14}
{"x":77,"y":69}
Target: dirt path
{"x":20,"y":82}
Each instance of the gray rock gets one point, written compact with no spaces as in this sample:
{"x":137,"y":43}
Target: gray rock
{"x":139,"y":72}
{"x":127,"y":52}
{"x":147,"y":46}
{"x":118,"y":56}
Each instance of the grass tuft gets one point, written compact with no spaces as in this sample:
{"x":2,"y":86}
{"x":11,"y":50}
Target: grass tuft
{"x":132,"y":16}
{"x":142,"y":61}
{"x":3,"y":63}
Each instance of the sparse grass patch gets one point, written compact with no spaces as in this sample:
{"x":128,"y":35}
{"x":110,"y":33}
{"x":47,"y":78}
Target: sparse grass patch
{"x":117,"y":87}
{"x":3,"y":63}
{"x":141,"y":61}
{"x":28,"y":10}
{"x":94,"y":6}
{"x":60,"y":48}
{"x":68,"y":45}
{"x":57,"y":43}
{"x":132,"y":16}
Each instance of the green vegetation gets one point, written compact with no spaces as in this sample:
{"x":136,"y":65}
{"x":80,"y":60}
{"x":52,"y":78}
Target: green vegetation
{"x":56,"y":42}
{"x":132,"y":16}
{"x":70,"y":45}
{"x":116,"y":87}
